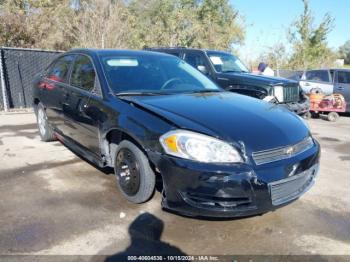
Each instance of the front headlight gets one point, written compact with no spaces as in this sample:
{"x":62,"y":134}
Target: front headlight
{"x":198,"y":147}
{"x":278,"y":92}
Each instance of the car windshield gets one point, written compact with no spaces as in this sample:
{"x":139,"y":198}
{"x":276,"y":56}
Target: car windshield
{"x":141,"y":74}
{"x":226,"y":63}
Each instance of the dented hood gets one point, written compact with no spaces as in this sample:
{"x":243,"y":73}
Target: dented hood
{"x":230,"y":117}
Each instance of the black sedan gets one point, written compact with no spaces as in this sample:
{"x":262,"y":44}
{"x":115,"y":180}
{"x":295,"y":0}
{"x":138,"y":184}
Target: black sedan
{"x":148,"y":114}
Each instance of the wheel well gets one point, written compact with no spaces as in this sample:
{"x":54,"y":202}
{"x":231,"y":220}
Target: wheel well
{"x":115,"y":136}
{"x":35,"y":104}
{"x":36,"y":101}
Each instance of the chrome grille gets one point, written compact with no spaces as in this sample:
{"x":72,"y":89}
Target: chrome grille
{"x":271,"y":155}
{"x":285,"y":190}
{"x":290,"y":94}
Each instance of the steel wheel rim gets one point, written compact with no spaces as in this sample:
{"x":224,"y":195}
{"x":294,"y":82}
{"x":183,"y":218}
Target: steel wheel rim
{"x":128,"y":172}
{"x":41,"y":121}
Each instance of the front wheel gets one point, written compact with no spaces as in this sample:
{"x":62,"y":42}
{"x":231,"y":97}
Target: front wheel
{"x":135,"y":178}
{"x":307,"y":115}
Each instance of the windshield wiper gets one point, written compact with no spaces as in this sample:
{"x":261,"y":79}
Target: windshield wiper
{"x":234,"y":71}
{"x":205,"y":91}
{"x":139,"y":93}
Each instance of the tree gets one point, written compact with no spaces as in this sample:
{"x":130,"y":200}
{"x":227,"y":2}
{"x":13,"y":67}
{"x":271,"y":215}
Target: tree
{"x":310,"y":42}
{"x":188,"y":23}
{"x":14,"y":30}
{"x":219,"y":25}
{"x":100,"y":24}
{"x":34,"y":23}
{"x":63,"y":24}
{"x":344,"y":52}
{"x":276,"y":56}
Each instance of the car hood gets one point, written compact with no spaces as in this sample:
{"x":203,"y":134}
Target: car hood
{"x":253,"y":78}
{"x":228,"y":116}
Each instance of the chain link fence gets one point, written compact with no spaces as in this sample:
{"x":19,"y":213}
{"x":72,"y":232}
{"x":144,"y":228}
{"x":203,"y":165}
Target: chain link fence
{"x":18,"y":68}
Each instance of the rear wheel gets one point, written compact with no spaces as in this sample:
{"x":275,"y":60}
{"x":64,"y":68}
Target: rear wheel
{"x":135,"y":178}
{"x":332,"y":116}
{"x":45,"y":130}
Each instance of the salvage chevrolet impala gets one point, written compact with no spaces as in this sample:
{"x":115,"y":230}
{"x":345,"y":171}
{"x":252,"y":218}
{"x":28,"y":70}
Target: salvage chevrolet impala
{"x":148,"y":114}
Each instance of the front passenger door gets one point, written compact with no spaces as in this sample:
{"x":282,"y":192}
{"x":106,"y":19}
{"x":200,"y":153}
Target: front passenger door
{"x":82,"y":111}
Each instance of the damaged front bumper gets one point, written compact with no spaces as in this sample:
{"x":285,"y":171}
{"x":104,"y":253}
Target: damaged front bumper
{"x":300,"y":108}
{"x":236,"y":190}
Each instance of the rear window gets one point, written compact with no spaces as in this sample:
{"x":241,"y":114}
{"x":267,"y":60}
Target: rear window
{"x":59,"y":69}
{"x":317,"y":75}
{"x":83,"y":73}
{"x":343,"y":77}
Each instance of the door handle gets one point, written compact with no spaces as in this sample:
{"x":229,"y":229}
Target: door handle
{"x":307,"y":84}
{"x":340,"y":88}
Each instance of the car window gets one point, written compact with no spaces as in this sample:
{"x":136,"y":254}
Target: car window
{"x":226,"y":63}
{"x":317,"y":75}
{"x":343,"y":77}
{"x":152,"y":73}
{"x":83,"y":73}
{"x":195,"y":60}
{"x":59,"y":69}
{"x":174,"y":53}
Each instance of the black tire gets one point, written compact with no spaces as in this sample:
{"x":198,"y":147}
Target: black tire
{"x":315,"y":115}
{"x":135,"y":177}
{"x":332,"y":116}
{"x":307,"y":115}
{"x":45,"y":130}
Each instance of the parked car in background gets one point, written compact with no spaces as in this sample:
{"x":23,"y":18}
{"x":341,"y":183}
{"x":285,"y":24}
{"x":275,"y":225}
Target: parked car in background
{"x":231,"y":74}
{"x":320,"y":78}
{"x":329,"y":81}
{"x":148,"y":114}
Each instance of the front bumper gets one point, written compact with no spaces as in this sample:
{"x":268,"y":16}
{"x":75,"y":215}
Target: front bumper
{"x":211,"y":190}
{"x":299,"y":108}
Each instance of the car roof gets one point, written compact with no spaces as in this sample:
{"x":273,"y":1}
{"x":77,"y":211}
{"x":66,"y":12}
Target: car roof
{"x":106,"y":52}
{"x":334,"y":69}
{"x":185,"y":48}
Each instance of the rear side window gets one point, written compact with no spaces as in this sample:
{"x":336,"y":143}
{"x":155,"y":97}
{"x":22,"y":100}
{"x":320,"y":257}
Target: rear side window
{"x":177,"y":54}
{"x":83,"y":73}
{"x":343,"y":77}
{"x":59,"y":70}
{"x":317,"y":75}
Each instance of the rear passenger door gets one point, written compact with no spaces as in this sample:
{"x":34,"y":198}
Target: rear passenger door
{"x":82,"y":105}
{"x":342,"y":86}
{"x":52,"y":89}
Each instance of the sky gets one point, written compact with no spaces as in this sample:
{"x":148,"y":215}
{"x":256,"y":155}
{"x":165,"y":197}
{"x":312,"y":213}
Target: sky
{"x":267,"y":22}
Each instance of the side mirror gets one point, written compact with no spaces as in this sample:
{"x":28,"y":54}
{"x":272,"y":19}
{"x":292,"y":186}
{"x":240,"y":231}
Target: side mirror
{"x":203,"y":69}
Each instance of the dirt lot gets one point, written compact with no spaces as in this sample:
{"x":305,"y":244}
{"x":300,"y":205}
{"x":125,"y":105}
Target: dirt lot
{"x":52,"y":202}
